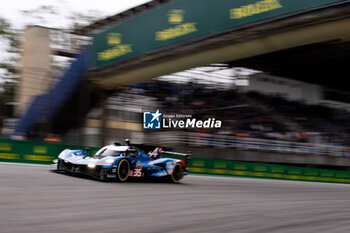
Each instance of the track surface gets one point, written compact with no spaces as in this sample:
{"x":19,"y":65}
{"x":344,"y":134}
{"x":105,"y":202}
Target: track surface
{"x":33,"y":199}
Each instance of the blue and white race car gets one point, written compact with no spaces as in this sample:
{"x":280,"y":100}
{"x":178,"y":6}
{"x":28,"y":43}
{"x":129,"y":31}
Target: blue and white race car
{"x":121,"y":161}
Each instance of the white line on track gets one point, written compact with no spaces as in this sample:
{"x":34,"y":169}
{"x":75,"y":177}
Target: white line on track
{"x":262,"y":179}
{"x":27,"y":164}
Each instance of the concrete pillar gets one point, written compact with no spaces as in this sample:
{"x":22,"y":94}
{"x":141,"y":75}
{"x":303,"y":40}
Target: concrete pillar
{"x":35,"y":78}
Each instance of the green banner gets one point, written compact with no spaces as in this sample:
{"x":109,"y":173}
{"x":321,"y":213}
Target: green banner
{"x":45,"y":153}
{"x":264,"y":170}
{"x":184,"y":20}
{"x":32,"y":152}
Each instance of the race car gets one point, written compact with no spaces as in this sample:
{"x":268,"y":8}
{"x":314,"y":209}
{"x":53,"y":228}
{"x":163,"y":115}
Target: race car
{"x":121,"y":161}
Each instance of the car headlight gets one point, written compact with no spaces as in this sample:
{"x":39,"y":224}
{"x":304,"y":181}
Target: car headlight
{"x":91,"y":165}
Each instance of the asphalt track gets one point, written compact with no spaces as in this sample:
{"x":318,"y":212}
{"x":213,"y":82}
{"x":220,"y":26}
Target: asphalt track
{"x":35,"y":199}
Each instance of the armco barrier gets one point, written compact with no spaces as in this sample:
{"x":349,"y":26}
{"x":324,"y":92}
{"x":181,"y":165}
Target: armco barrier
{"x":44,"y":153}
{"x":32,"y":152}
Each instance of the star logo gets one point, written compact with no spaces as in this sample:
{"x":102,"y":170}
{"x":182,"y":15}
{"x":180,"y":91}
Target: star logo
{"x":156,"y":115}
{"x":151,"y":120}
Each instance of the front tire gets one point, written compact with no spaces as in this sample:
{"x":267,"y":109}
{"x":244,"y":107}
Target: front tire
{"x":102,"y":174}
{"x":123,"y":170}
{"x":177,"y":173}
{"x":60,"y":166}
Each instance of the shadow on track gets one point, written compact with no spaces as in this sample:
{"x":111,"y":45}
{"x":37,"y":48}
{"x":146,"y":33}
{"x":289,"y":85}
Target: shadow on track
{"x":130,"y":179}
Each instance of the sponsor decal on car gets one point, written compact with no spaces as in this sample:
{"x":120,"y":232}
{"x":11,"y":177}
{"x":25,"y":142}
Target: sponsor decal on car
{"x":137,"y":172}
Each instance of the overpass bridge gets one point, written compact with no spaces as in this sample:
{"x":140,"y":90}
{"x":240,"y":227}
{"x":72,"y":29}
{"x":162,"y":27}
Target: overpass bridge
{"x":306,"y":40}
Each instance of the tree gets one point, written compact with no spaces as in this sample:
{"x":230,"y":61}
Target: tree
{"x":9,"y":42}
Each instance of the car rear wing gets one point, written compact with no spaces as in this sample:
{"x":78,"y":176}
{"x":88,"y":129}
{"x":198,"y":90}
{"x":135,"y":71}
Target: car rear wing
{"x":156,"y":152}
{"x":186,"y":155}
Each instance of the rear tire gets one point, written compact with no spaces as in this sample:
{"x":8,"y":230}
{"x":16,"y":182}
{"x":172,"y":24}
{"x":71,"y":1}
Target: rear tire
{"x":123,"y":170}
{"x":177,"y":173}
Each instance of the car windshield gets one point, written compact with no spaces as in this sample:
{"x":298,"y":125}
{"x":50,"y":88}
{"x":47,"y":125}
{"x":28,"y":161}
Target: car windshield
{"x":108,"y":152}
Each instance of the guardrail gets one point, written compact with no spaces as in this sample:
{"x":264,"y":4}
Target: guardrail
{"x":173,"y":138}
